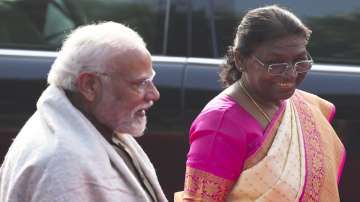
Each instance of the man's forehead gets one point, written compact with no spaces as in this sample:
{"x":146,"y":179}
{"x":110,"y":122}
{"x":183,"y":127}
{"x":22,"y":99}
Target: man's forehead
{"x":130,"y":54}
{"x":134,"y":66}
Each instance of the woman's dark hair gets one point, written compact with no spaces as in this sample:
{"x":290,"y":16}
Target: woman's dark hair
{"x":256,"y":27}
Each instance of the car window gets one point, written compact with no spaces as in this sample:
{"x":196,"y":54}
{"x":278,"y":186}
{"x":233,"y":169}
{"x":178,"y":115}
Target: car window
{"x":335,"y":26}
{"x":43,"y":24}
{"x":190,"y":28}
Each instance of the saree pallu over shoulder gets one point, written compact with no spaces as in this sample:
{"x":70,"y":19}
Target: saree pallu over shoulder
{"x":303,"y":161}
{"x":299,"y":158}
{"x":275,"y":172}
{"x":324,"y":152}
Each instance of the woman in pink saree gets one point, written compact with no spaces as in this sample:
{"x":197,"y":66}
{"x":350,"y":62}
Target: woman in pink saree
{"x":261,"y":139}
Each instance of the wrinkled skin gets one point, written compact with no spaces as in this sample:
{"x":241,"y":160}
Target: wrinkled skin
{"x":270,"y":89}
{"x":121,"y":105}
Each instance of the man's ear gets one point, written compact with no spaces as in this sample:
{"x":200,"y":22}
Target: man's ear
{"x":239,"y":61}
{"x":88,"y":85}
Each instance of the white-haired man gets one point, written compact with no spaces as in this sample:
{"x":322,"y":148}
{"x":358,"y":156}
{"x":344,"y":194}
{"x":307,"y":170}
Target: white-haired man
{"x":79,"y":145}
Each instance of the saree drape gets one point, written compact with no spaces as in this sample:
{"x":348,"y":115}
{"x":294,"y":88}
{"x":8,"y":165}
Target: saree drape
{"x":300,"y":159}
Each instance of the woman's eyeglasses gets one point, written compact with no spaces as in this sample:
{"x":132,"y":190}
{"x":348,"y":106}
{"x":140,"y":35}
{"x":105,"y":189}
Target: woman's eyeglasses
{"x":280,"y":68}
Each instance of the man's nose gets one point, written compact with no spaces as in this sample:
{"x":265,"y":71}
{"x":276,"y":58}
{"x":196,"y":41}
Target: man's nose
{"x":152,"y":93}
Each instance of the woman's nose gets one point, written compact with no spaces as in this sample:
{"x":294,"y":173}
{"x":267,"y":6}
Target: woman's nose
{"x":291,"y":71}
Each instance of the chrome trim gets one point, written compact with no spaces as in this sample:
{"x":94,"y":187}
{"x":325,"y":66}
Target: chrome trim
{"x":184,"y":60}
{"x":169,"y":59}
{"x":27,"y":53}
{"x":336,"y":68}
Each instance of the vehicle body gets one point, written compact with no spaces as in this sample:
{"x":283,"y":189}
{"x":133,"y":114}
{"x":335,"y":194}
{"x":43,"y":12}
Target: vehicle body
{"x":186,"y":85}
{"x":186,"y":82}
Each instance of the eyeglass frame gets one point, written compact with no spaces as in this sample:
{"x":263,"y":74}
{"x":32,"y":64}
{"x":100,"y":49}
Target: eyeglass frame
{"x":141,"y":86}
{"x":289,"y":66}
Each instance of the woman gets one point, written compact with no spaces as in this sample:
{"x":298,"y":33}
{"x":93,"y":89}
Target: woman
{"x":261,"y":139}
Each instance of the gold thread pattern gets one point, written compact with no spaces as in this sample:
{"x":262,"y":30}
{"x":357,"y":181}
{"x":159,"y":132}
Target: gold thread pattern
{"x":315,"y":168}
{"x":204,"y":186}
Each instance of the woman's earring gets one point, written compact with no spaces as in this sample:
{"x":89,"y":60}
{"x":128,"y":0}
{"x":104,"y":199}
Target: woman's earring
{"x":238,"y":63}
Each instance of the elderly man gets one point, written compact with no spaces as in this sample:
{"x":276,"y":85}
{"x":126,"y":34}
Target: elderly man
{"x":79,"y":145}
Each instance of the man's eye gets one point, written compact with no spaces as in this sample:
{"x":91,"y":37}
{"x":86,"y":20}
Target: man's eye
{"x":139,"y":83}
{"x":143,"y":83}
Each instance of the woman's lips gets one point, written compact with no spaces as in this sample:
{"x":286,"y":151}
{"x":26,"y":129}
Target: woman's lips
{"x":286,"y":86}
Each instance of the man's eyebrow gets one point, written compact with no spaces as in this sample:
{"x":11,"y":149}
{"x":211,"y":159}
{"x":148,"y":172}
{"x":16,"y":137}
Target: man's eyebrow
{"x":147,"y":77}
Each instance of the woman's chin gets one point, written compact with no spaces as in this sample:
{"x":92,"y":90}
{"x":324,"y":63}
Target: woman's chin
{"x":286,"y":94}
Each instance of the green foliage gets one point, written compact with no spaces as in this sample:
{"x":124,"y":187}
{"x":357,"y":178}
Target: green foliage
{"x":335,"y":38}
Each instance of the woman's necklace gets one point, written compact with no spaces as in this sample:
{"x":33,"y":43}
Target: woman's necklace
{"x":254,"y":102}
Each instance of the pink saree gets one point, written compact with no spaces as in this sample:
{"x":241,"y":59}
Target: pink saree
{"x":297,"y":158}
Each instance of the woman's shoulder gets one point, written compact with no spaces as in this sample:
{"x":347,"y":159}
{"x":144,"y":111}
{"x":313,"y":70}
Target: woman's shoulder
{"x":221,"y":116}
{"x":221,"y":108}
{"x":220,"y":103}
{"x":324,"y":106}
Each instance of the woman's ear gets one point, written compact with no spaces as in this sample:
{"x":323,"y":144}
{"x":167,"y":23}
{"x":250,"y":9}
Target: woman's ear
{"x":239,"y":61}
{"x":89,"y":86}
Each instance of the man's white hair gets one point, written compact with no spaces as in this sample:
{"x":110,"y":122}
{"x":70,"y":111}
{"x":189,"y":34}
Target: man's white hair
{"x":91,"y":48}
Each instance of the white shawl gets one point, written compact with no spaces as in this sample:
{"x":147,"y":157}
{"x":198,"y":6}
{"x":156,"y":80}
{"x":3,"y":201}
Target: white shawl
{"x":59,"y":156}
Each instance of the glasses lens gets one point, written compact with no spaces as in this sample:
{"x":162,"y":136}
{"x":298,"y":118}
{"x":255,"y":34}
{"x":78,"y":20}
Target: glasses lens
{"x":303,"y":66}
{"x":277,"y":68}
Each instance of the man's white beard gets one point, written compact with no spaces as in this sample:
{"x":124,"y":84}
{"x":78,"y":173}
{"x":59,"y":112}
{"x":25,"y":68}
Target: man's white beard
{"x":134,"y":128}
{"x":138,"y":128}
